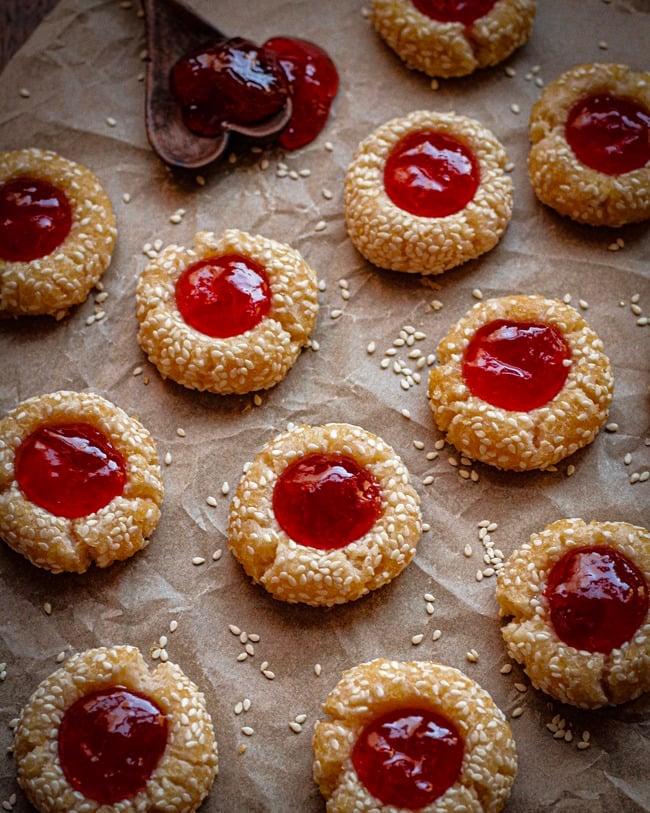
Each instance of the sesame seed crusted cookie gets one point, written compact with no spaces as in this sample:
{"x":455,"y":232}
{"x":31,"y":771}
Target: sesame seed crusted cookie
{"x":255,"y":359}
{"x":185,"y":771}
{"x":523,"y":439}
{"x":328,"y":574}
{"x":57,"y":537}
{"x":391,"y":237}
{"x":583,"y":677}
{"x":54,"y":283}
{"x":440,"y":48}
{"x":370,"y":690}
{"x":563,"y":181}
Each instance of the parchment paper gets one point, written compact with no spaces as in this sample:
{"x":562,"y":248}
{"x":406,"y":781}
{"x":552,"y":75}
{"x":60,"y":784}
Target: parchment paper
{"x":81,"y":67}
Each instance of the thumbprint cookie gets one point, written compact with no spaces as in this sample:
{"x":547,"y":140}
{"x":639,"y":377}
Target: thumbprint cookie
{"x":79,"y":482}
{"x":412,"y":736}
{"x":427,"y":192}
{"x":577,"y":597}
{"x":324,"y":514}
{"x":453,"y":38}
{"x":590,"y":145}
{"x":521,"y":383}
{"x":229,"y":316}
{"x":104,"y":732}
{"x":57,"y":233}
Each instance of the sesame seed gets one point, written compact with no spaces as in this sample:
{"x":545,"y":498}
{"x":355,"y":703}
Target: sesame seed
{"x":517,"y":712}
{"x":242,"y":656}
{"x":603,"y":45}
{"x":477,"y":293}
{"x":627,"y":459}
{"x":211,"y":501}
{"x":320,"y":226}
{"x":247,"y":730}
{"x":583,"y":745}
{"x":611,"y":427}
{"x":198,"y":560}
{"x":126,"y":197}
{"x":510,"y":71}
{"x":329,"y":146}
{"x":168,"y":459}
{"x":514,"y":107}
{"x":181,"y":432}
{"x":268,"y":674}
{"x":506,"y":669}
{"x":317,"y":669}
{"x":173,"y":625}
{"x":336,"y":313}
{"x":327,"y":194}
{"x":467,"y":551}
{"x":417,"y":639}
{"x":217,"y":554}
{"x":225,"y":488}
{"x":406,"y":414}
{"x":472,"y":656}
{"x":111,"y":121}
{"x":436,"y":634}
{"x":47,"y":608}
{"x":570,"y":470}
{"x":234,"y":629}
{"x":295,"y":727}
{"x":24,"y":93}
{"x":200,"y":180}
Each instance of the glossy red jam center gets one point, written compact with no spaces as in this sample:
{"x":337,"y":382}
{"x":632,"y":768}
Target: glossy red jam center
{"x":326,"y":501}
{"x":110,"y":742}
{"x":431,"y":174}
{"x":224,"y":296}
{"x":516,"y":365}
{"x":597,"y":598}
{"x":454,"y":11}
{"x":313,"y":84}
{"x":408,"y":757}
{"x":71,"y":470}
{"x":232,"y":82}
{"x":35,"y":218}
{"x":610,"y":134}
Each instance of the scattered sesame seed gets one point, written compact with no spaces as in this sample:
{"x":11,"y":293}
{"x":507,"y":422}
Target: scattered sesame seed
{"x":510,"y":71}
{"x":583,"y":304}
{"x":417,"y":639}
{"x":317,"y":669}
{"x":126,"y":197}
{"x":60,"y":657}
{"x":173,"y":625}
{"x":406,"y":414}
{"x":436,"y":634}
{"x":327,"y":194}
{"x":627,"y":459}
{"x":467,"y":550}
{"x":234,"y":629}
{"x":418,"y":444}
{"x":295,"y":727}
{"x":506,"y":669}
{"x":268,"y":674}
{"x":472,"y":656}
{"x":320,"y":226}
{"x":24,"y":93}
{"x":217,"y":554}
{"x":111,"y":121}
{"x":336,"y":313}
{"x":47,"y":608}
{"x":477,"y":293}
{"x":517,"y":712}
{"x":168,"y":459}
{"x":611,"y":427}
{"x":247,"y":730}
{"x":603,"y":45}
{"x":225,"y":488}
{"x":509,"y":166}
{"x":198,"y":560}
{"x":583,"y":745}
{"x":570,"y":470}
{"x":211,"y":501}
{"x":514,"y":107}
{"x":371,"y":347}
{"x":329,"y":146}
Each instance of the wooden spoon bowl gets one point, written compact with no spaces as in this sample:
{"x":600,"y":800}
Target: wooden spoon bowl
{"x":173,"y":31}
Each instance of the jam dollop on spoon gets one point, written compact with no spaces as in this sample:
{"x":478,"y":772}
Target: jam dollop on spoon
{"x":202,"y":86}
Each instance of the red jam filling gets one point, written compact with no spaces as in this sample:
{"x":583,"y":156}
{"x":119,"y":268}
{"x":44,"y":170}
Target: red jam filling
{"x":408,"y":757}
{"x":454,"y":11}
{"x":313,"y":84}
{"x":223,"y":296}
{"x":431,"y":174}
{"x":234,"y":81}
{"x":517,"y":366}
{"x":71,"y":470}
{"x":610,"y":134}
{"x":597,"y":597}
{"x":35,"y":218}
{"x":326,"y":501}
{"x":110,"y":742}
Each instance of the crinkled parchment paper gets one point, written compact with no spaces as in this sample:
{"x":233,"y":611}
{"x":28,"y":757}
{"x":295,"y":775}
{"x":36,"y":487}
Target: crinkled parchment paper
{"x":82,"y":67}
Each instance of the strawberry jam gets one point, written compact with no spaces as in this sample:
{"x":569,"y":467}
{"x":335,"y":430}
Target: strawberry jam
{"x":326,"y":501}
{"x":518,"y":366}
{"x":408,"y":757}
{"x":431,"y":174}
{"x":313,"y":84}
{"x":223,"y":296}
{"x":610,"y":134}
{"x":454,"y":11}
{"x":597,"y":598}
{"x":71,"y":470}
{"x":110,"y":742}
{"x":234,"y":81}
{"x":35,"y":218}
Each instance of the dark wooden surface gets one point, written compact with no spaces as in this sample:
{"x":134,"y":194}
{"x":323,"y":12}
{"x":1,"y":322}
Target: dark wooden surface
{"x":18,"y":18}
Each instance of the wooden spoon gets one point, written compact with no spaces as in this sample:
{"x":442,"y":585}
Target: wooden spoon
{"x":173,"y":30}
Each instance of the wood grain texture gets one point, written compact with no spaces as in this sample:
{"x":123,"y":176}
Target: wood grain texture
{"x":18,"y":19}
